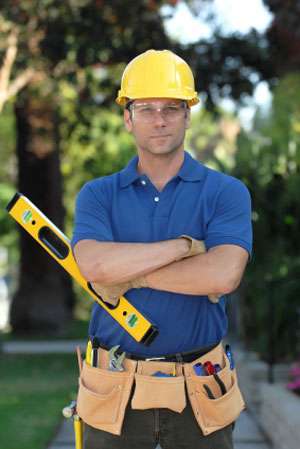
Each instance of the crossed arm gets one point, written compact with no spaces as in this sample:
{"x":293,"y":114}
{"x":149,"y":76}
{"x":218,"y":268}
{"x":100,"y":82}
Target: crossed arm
{"x":219,"y":271}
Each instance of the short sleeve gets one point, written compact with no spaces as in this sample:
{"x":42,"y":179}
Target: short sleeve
{"x":230,"y":222}
{"x":92,"y":214}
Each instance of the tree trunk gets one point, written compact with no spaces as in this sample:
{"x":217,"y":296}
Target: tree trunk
{"x":44,"y":299}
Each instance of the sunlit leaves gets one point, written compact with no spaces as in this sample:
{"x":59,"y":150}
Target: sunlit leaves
{"x":268,"y":162}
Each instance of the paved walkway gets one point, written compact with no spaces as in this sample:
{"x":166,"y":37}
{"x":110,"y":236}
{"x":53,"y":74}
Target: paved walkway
{"x":43,"y":347}
{"x":247,"y":434}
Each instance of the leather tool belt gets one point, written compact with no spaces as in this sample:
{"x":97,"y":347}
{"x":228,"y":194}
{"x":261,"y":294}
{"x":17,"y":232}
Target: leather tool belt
{"x":103,"y":395}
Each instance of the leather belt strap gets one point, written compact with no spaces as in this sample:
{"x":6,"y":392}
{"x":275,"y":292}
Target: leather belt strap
{"x":183,"y":357}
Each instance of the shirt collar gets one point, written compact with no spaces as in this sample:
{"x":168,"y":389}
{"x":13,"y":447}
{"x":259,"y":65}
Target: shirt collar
{"x":191,"y":170}
{"x":129,"y":174}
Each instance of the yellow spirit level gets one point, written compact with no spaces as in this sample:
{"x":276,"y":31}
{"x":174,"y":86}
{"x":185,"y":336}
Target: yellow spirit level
{"x":58,"y":245}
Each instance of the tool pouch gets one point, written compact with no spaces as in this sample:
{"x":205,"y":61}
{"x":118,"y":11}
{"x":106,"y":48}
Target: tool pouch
{"x":103,"y":395}
{"x":214,"y":414}
{"x":159,"y":392}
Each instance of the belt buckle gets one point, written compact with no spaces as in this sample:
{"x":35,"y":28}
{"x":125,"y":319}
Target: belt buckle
{"x":154,"y":359}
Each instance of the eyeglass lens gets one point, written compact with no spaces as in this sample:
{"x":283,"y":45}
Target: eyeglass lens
{"x":148,"y":111}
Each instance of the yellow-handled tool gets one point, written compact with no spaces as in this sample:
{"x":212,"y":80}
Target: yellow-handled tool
{"x":58,"y":245}
{"x":70,"y":412}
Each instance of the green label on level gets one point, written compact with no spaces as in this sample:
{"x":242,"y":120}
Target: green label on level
{"x":27,"y":216}
{"x":132,"y":320}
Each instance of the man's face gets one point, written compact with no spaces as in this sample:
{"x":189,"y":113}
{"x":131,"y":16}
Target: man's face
{"x":158,"y":124}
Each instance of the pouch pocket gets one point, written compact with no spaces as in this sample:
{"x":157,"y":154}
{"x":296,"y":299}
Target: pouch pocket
{"x":214,"y":414}
{"x":159,"y":392}
{"x":103,"y":396}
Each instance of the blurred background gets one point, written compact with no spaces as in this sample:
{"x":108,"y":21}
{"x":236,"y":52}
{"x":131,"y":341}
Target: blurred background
{"x":60,"y":70}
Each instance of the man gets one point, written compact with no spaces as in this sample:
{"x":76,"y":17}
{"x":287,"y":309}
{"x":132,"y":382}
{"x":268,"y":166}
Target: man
{"x":137,"y":233}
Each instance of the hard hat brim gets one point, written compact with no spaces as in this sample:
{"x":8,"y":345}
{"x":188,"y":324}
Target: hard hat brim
{"x":123,"y":100}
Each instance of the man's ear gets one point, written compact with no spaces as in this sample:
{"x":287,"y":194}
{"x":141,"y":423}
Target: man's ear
{"x":188,"y":118}
{"x":127,"y":120}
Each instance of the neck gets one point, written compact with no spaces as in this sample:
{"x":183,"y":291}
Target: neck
{"x":160,"y":168}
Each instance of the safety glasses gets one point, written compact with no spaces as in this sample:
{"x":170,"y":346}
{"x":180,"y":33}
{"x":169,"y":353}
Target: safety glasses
{"x":147,"y":112}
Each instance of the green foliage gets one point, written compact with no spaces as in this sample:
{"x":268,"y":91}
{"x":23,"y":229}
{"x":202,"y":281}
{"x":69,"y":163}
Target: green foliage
{"x":76,"y":329}
{"x":65,"y":40}
{"x":212,"y":139}
{"x":8,"y":166}
{"x":8,"y":233}
{"x":268,"y":162}
{"x":283,"y":35}
{"x":94,"y":143}
{"x":229,"y":66}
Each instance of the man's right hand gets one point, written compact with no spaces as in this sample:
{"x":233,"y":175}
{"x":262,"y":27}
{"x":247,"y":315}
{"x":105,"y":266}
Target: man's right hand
{"x":112,"y":293}
{"x":196,"y":247}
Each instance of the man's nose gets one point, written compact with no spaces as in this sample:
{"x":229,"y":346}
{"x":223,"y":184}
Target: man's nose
{"x":159,"y":119}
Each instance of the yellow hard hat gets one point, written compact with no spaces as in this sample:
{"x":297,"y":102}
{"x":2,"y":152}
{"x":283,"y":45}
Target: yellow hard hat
{"x":157,"y":74}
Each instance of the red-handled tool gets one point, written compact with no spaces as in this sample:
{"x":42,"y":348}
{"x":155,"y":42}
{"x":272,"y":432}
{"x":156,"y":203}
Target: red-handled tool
{"x":209,"y":368}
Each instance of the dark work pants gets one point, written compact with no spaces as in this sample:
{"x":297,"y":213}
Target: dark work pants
{"x":144,"y":429}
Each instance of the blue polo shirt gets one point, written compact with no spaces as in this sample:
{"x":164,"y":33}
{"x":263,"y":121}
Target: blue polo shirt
{"x":126,"y":207}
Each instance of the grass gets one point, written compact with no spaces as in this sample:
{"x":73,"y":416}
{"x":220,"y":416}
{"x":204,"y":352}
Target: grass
{"x":33,"y":391}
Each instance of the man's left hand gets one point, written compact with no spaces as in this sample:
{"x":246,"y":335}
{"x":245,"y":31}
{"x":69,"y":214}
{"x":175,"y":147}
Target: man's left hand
{"x":197,"y":247}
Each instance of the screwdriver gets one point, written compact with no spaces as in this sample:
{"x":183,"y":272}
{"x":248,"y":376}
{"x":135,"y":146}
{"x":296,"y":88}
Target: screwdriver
{"x":88,"y":355}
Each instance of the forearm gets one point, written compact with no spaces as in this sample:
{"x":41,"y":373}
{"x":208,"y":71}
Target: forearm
{"x":181,"y":277}
{"x":214,"y":272}
{"x":114,"y":262}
